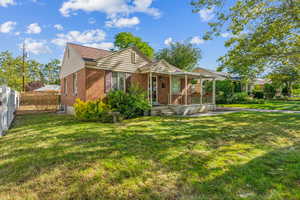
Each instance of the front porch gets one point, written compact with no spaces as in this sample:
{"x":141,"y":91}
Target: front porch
{"x":172,"y":90}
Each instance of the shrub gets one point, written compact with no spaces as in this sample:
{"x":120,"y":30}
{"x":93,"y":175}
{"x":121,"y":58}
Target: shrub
{"x":244,"y":98}
{"x":240,"y":97}
{"x":269,"y":91}
{"x":258,"y":94}
{"x":131,"y":104}
{"x":92,"y":111}
{"x":224,"y":90}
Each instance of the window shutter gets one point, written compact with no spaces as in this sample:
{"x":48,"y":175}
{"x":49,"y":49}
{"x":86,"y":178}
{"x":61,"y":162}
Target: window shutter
{"x":108,"y":76}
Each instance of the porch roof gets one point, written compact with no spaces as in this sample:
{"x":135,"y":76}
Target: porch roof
{"x":160,"y":66}
{"x":193,"y":74}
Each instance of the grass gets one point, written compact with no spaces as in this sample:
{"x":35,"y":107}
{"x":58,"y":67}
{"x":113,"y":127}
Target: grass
{"x":244,"y":155}
{"x":270,"y":105}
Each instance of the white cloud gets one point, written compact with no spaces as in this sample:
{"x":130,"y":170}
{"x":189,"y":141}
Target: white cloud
{"x":88,"y":36}
{"x":92,"y":20}
{"x":17,"y":33}
{"x":111,"y":7}
{"x":7,"y":27}
{"x":207,"y":14}
{"x":226,"y":35}
{"x":102,"y":45}
{"x":34,"y":29}
{"x":58,"y":27}
{"x":168,"y":41}
{"x":197,"y":40}
{"x":36,"y":46}
{"x":123,"y":22}
{"x":5,"y":3}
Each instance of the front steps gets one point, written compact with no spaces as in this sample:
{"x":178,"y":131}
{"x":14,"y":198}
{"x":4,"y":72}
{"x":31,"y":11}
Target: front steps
{"x":181,"y":109}
{"x":162,"y":111}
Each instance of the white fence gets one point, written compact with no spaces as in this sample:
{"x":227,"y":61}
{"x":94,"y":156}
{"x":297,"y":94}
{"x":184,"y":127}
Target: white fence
{"x":9,"y":102}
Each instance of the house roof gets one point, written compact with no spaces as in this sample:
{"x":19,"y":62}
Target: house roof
{"x":49,"y":88}
{"x":89,"y":53}
{"x":160,"y":66}
{"x":207,"y":72}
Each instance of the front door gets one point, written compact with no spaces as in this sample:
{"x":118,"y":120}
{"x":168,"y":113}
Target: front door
{"x":154,"y":90}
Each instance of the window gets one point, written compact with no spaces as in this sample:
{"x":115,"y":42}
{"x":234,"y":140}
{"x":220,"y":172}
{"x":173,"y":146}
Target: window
{"x":127,"y":81}
{"x":133,"y":58}
{"x":118,"y":81}
{"x":75,"y":89}
{"x":176,"y":85}
{"x":65,"y":86}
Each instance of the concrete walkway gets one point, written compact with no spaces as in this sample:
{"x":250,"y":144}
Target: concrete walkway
{"x":256,"y":110}
{"x":212,"y":113}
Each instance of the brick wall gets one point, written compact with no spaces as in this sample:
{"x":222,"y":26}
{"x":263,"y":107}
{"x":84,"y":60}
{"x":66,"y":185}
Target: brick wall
{"x":95,"y":84}
{"x":68,"y":97}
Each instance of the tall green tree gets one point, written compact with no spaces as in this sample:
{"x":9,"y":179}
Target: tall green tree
{"x":263,"y":33}
{"x":125,"y":39}
{"x":182,"y":55}
{"x":10,"y":71}
{"x":51,"y":72}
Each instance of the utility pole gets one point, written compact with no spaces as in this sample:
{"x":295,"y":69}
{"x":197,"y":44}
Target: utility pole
{"x":23,"y":67}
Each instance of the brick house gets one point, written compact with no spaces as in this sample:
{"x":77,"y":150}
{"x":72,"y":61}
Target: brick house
{"x":89,"y":73}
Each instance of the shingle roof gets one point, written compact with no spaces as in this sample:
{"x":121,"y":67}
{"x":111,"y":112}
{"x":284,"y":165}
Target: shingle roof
{"x":89,"y":52}
{"x":157,"y":67}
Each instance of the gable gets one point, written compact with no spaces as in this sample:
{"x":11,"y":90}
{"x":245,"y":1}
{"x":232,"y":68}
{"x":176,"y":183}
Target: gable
{"x":161,"y":66}
{"x":121,"y":61}
{"x":71,"y":63}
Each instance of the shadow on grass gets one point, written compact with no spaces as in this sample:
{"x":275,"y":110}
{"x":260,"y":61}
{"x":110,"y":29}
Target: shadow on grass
{"x":38,"y":144}
{"x":274,"y":175}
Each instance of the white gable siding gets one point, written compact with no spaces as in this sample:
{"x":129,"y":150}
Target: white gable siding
{"x":122,"y":62}
{"x":71,"y":63}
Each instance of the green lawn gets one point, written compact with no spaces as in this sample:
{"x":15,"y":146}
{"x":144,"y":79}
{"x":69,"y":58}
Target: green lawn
{"x":244,"y":155}
{"x":269,"y":105}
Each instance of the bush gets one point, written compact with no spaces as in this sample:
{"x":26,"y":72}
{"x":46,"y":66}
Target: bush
{"x":131,"y":104}
{"x":269,"y":91}
{"x":244,"y":98}
{"x":258,"y":94}
{"x":92,"y":111}
{"x":224,"y":90}
{"x":240,"y":97}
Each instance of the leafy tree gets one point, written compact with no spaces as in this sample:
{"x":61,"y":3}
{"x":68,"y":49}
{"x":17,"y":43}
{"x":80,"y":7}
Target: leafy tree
{"x":11,"y":71}
{"x":51,"y":72}
{"x":125,"y":39}
{"x":264,"y":33}
{"x":182,"y":55}
{"x":284,"y":77}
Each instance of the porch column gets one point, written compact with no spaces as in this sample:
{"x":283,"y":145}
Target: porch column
{"x":214,"y":92}
{"x":201,"y":91}
{"x":151,"y":92}
{"x":186,"y":90}
{"x":170,"y":89}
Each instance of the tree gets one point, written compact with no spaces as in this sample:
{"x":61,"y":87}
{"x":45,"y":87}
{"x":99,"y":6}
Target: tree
{"x":182,"y":55}
{"x":264,"y":33}
{"x":11,"y":69}
{"x":51,"y":72}
{"x":124,"y":40}
{"x":285,"y":76}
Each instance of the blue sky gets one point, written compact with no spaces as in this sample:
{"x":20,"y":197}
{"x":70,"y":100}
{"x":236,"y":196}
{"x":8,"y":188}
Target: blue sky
{"x":46,"y":25}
